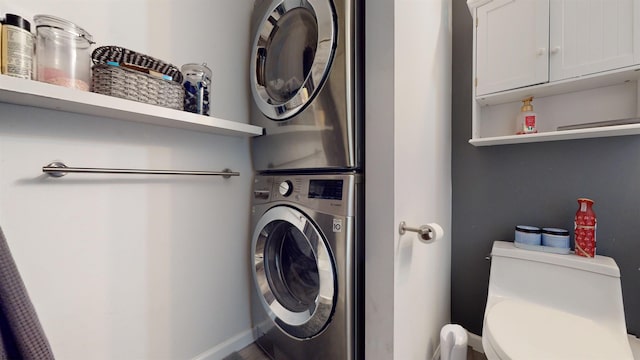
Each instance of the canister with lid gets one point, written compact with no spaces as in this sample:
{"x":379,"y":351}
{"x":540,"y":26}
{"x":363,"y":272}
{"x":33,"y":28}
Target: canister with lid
{"x":63,"y":54}
{"x":555,"y":237}
{"x":197,"y":84}
{"x":529,"y":235}
{"x":17,"y":47}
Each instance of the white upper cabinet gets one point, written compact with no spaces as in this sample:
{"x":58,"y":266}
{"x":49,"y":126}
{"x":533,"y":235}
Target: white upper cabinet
{"x":591,"y":36}
{"x":512,"y":37}
{"x":526,"y":42}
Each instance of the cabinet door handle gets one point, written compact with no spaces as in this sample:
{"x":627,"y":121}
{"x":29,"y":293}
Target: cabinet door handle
{"x":541,"y":51}
{"x":555,"y":50}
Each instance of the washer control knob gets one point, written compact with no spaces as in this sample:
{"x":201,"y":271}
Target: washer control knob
{"x":285,"y":188}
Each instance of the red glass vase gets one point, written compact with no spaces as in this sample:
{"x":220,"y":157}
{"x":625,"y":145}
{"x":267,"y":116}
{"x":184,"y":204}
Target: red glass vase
{"x":585,"y":225}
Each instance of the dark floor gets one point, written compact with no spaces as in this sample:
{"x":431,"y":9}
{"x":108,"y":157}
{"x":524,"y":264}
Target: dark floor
{"x":474,"y":355}
{"x":253,"y":352}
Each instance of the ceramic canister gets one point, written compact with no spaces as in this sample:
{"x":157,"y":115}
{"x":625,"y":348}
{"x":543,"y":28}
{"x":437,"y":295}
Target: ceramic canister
{"x":553,"y":237}
{"x":529,"y":235}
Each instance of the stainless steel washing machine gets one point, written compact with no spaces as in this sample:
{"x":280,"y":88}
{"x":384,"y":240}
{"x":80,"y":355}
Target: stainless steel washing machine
{"x":307,"y":267}
{"x":306,"y":82}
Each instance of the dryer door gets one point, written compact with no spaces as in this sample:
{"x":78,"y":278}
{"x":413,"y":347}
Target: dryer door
{"x":293,"y":272}
{"x":291,"y":55}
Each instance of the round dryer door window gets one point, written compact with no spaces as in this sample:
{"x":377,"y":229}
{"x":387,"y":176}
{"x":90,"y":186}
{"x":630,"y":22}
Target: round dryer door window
{"x":293,"y":271}
{"x":292,"y":54}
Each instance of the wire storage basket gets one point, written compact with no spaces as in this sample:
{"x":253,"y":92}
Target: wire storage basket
{"x":129,"y":75}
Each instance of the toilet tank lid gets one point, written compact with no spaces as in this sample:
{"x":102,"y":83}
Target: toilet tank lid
{"x":600,"y":264}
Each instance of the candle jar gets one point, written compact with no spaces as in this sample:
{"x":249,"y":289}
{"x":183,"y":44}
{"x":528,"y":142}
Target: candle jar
{"x":63,"y":55}
{"x":197,"y":84}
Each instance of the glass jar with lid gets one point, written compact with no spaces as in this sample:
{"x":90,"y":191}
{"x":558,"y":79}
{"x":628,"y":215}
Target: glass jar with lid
{"x":63,"y":52}
{"x":197,"y":84}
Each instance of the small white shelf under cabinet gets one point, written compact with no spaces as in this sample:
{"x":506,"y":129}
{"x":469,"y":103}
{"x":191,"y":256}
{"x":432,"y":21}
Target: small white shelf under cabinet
{"x":598,"y":97}
{"x":42,"y":95}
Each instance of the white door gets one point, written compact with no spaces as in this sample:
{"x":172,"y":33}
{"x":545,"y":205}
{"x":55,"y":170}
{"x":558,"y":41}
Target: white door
{"x":591,"y":36}
{"x":408,"y":176}
{"x":511,"y":44}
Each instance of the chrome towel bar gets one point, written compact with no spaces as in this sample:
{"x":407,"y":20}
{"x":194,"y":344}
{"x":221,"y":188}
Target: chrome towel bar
{"x":59,"y":169}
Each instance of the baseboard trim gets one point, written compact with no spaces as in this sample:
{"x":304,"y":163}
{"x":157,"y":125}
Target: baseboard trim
{"x":225,"y":348}
{"x":436,"y":354}
{"x":475,"y":341}
{"x":634,"y":342}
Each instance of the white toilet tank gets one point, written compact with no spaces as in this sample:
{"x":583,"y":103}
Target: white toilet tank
{"x":587,"y":287}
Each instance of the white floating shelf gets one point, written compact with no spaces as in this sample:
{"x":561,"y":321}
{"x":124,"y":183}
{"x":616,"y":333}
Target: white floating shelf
{"x":605,"y":131}
{"x":42,"y":95}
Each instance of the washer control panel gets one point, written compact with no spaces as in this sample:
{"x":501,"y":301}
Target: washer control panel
{"x":329,"y":193}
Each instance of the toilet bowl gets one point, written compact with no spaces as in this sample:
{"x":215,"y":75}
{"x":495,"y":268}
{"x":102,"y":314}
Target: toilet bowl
{"x":551,"y":306}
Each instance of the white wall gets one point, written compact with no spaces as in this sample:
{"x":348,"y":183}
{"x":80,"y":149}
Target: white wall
{"x":409,"y":178}
{"x":135,"y":267}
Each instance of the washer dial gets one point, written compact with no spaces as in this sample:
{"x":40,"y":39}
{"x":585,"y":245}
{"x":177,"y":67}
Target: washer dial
{"x":285,"y":188}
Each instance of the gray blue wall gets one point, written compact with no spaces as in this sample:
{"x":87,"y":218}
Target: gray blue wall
{"x":498,"y":187}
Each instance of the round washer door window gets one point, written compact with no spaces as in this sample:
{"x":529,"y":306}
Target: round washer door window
{"x":291,"y":56}
{"x":293,"y":271}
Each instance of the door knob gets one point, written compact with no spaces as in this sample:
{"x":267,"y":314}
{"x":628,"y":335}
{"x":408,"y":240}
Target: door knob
{"x":555,"y":50}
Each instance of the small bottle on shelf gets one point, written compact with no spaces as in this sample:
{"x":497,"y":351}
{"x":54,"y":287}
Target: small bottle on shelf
{"x":526,"y":119}
{"x":17,"y":46}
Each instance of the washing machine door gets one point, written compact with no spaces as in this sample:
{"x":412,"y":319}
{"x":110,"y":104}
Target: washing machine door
{"x":291,"y":55}
{"x":294,"y":272}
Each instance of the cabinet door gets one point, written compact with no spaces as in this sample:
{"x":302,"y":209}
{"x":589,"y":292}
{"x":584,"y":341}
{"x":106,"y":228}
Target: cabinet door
{"x":511,"y":44}
{"x":589,"y":36}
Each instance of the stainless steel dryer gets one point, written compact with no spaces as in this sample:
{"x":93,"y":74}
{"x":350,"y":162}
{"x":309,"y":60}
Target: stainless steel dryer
{"x":306,"y":83}
{"x":307,"y":274}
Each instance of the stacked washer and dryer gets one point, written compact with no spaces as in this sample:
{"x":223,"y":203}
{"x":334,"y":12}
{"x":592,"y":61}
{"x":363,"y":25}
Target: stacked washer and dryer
{"x":307,"y":206}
